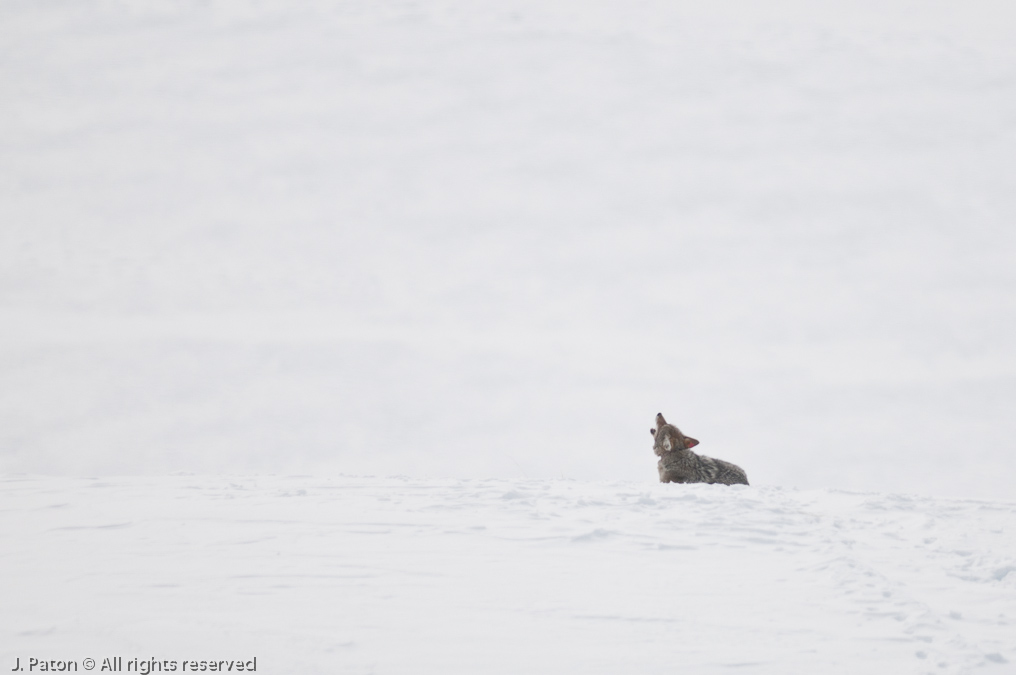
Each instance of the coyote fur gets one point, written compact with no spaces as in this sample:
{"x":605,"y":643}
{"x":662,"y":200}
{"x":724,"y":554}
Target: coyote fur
{"x":678,"y":464}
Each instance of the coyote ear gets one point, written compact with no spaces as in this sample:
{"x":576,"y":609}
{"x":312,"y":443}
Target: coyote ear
{"x":690,"y":442}
{"x":652,"y":431}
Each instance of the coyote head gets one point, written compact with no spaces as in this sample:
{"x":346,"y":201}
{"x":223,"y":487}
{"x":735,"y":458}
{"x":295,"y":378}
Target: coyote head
{"x":669,"y":438}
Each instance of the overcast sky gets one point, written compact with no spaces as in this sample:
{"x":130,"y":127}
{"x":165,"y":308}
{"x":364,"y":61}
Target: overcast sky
{"x":495,"y":239}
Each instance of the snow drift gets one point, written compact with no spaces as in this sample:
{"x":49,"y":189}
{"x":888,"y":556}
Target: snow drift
{"x":398,"y":575}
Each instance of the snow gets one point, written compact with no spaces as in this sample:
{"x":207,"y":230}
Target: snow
{"x":257,"y":257}
{"x":401,"y":575}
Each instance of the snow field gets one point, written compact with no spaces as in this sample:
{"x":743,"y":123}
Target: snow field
{"x":449,"y":238}
{"x":399,"y":575}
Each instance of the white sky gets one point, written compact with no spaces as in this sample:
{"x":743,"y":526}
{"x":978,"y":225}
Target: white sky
{"x":438,"y":238}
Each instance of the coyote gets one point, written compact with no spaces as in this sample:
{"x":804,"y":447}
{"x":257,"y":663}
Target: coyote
{"x":678,"y":464}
